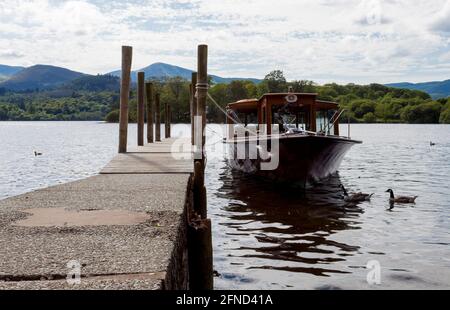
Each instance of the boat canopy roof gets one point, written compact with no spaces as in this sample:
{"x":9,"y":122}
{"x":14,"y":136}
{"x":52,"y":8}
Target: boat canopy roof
{"x":281,"y":99}
{"x":247,"y":105}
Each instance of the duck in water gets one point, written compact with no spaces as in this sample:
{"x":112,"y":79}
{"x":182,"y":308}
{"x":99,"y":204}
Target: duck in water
{"x":356,"y":197}
{"x":401,"y":199}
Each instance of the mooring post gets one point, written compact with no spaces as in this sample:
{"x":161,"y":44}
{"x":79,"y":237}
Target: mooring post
{"x":149,"y":96}
{"x":199,"y":165}
{"x":140,"y":108}
{"x":200,"y":235}
{"x":200,"y":256}
{"x":200,"y":202}
{"x":127,"y":55}
{"x":193,"y":102}
{"x":158,"y":119}
{"x":202,"y":90}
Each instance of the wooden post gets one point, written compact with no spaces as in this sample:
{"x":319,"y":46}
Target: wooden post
{"x":200,"y":256}
{"x":166,"y":120}
{"x":140,"y":108}
{"x":199,"y":231}
{"x":193,"y":102}
{"x":158,"y":119}
{"x":202,"y":90}
{"x":149,"y":93}
{"x":200,"y":200}
{"x":127,"y":56}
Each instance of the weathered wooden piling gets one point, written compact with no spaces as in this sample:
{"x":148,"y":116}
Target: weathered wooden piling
{"x":127,"y":56}
{"x":193,"y":104}
{"x":157,"y":118}
{"x":140,"y":108}
{"x":200,"y":200}
{"x":199,"y":231}
{"x":201,"y":94}
{"x":149,"y":97}
{"x":200,"y":255}
{"x":201,"y":91}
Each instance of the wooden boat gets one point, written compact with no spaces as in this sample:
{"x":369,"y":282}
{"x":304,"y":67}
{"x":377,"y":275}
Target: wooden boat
{"x":306,"y":148}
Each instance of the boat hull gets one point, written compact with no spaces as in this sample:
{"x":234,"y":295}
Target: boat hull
{"x":302,"y":159}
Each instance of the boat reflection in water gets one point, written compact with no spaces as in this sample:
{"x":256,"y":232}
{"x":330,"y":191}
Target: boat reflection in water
{"x":271,"y":227}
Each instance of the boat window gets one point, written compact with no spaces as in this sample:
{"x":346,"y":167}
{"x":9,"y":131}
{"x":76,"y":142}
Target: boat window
{"x":323,"y":122}
{"x":251,"y":119}
{"x":300,"y":121}
{"x":247,"y":120}
{"x":289,"y":119}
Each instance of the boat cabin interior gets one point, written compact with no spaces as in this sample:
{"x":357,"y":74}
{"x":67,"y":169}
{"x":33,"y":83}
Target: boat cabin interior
{"x":292,"y":112}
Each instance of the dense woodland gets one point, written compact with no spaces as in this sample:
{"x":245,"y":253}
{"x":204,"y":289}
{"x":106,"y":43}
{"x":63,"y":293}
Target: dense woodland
{"x":97,"y":98}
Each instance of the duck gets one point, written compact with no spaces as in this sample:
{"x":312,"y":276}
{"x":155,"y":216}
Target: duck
{"x":432,"y":143}
{"x":356,"y":197}
{"x":36,"y":153}
{"x":401,"y":199}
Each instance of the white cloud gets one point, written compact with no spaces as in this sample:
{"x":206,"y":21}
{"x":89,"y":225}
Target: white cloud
{"x":342,"y":40}
{"x":442,"y":21}
{"x":11,"y":54}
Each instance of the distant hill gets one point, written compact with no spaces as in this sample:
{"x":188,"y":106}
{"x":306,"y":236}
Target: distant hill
{"x":8,"y":71}
{"x":435,"y":89}
{"x":94,"y":83}
{"x":162,"y":70}
{"x":40,"y":77}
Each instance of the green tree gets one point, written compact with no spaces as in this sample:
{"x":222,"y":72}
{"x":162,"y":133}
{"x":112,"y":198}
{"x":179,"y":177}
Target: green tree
{"x":275,"y":81}
{"x":113,"y":116}
{"x":370,"y":118}
{"x":425,"y":113}
{"x":445,"y":114}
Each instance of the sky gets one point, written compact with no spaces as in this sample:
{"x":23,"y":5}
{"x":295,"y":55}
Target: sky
{"x":343,"y":41}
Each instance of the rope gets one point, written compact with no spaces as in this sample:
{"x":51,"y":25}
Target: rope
{"x":205,"y":86}
{"x":202,"y":86}
{"x":237,"y":121}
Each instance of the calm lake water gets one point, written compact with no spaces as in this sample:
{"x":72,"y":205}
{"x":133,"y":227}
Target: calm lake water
{"x":271,"y":237}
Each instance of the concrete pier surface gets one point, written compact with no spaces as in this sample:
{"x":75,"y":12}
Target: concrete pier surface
{"x":126,"y":227}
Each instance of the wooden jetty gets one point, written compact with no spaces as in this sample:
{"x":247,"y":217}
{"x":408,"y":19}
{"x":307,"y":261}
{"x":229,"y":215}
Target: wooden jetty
{"x":152,"y":158}
{"x":141,"y":223}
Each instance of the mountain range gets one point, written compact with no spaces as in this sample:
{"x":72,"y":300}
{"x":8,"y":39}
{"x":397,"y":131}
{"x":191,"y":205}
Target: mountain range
{"x":435,"y":89}
{"x":7,"y":71}
{"x":39,"y":77}
{"x":17,"y":78}
{"x":48,"y":77}
{"x":163,"y":70}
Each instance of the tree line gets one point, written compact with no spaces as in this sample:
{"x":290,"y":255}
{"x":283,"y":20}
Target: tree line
{"x":372,"y":103}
